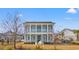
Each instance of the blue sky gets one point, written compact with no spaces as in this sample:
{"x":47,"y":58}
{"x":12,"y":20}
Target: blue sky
{"x":63,"y":17}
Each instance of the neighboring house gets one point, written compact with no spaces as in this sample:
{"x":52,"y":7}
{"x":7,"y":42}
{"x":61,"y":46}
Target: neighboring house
{"x":67,"y":34}
{"x":36,"y":32}
{"x":9,"y":36}
{"x":2,"y":36}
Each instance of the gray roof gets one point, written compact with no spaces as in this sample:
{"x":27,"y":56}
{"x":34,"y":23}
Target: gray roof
{"x":64,"y":30}
{"x":39,"y":22}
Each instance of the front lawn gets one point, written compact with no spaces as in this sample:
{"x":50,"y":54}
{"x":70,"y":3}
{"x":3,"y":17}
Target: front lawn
{"x":49,"y":46}
{"x":22,"y":46}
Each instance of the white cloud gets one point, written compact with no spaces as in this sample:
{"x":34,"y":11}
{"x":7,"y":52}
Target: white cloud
{"x":67,"y":18}
{"x":19,"y":15}
{"x":72,"y":11}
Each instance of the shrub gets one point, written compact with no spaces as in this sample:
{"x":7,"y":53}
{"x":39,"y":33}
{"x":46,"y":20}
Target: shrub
{"x":29,"y":42}
{"x":66,"y":41}
{"x":19,"y":47}
{"x":38,"y":47}
{"x":75,"y":42}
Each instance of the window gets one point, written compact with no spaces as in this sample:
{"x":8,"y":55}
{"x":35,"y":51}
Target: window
{"x":33,"y":28}
{"x":27,"y":37}
{"x":33,"y":37}
{"x":44,"y":28}
{"x":38,"y":28}
{"x":49,"y":28}
{"x":45,"y":38}
{"x":22,"y":37}
{"x":38,"y":38}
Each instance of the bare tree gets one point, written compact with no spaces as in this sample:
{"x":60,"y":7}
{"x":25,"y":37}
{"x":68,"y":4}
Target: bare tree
{"x":13,"y":23}
{"x":2,"y":41}
{"x":55,"y":40}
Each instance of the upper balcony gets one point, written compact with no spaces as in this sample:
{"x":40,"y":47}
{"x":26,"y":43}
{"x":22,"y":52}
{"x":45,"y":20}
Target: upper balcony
{"x":38,"y":27}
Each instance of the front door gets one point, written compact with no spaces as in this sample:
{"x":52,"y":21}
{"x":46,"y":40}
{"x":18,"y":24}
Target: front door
{"x":38,"y":38}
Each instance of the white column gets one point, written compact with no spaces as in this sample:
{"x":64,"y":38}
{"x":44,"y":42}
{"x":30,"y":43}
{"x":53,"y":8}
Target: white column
{"x":41,"y":32}
{"x":30,"y":27}
{"x":30,"y":32}
{"x":53,"y":32}
{"x":41,"y":27}
{"x":25,"y":31}
{"x":47,"y":37}
{"x":36,"y":34}
{"x":36,"y":27}
{"x":36,"y":39}
{"x":47,"y":33}
{"x":25,"y":38}
{"x":47,"y":28}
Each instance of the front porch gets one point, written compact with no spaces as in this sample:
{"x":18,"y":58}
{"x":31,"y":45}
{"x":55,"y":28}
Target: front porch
{"x":36,"y":38}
